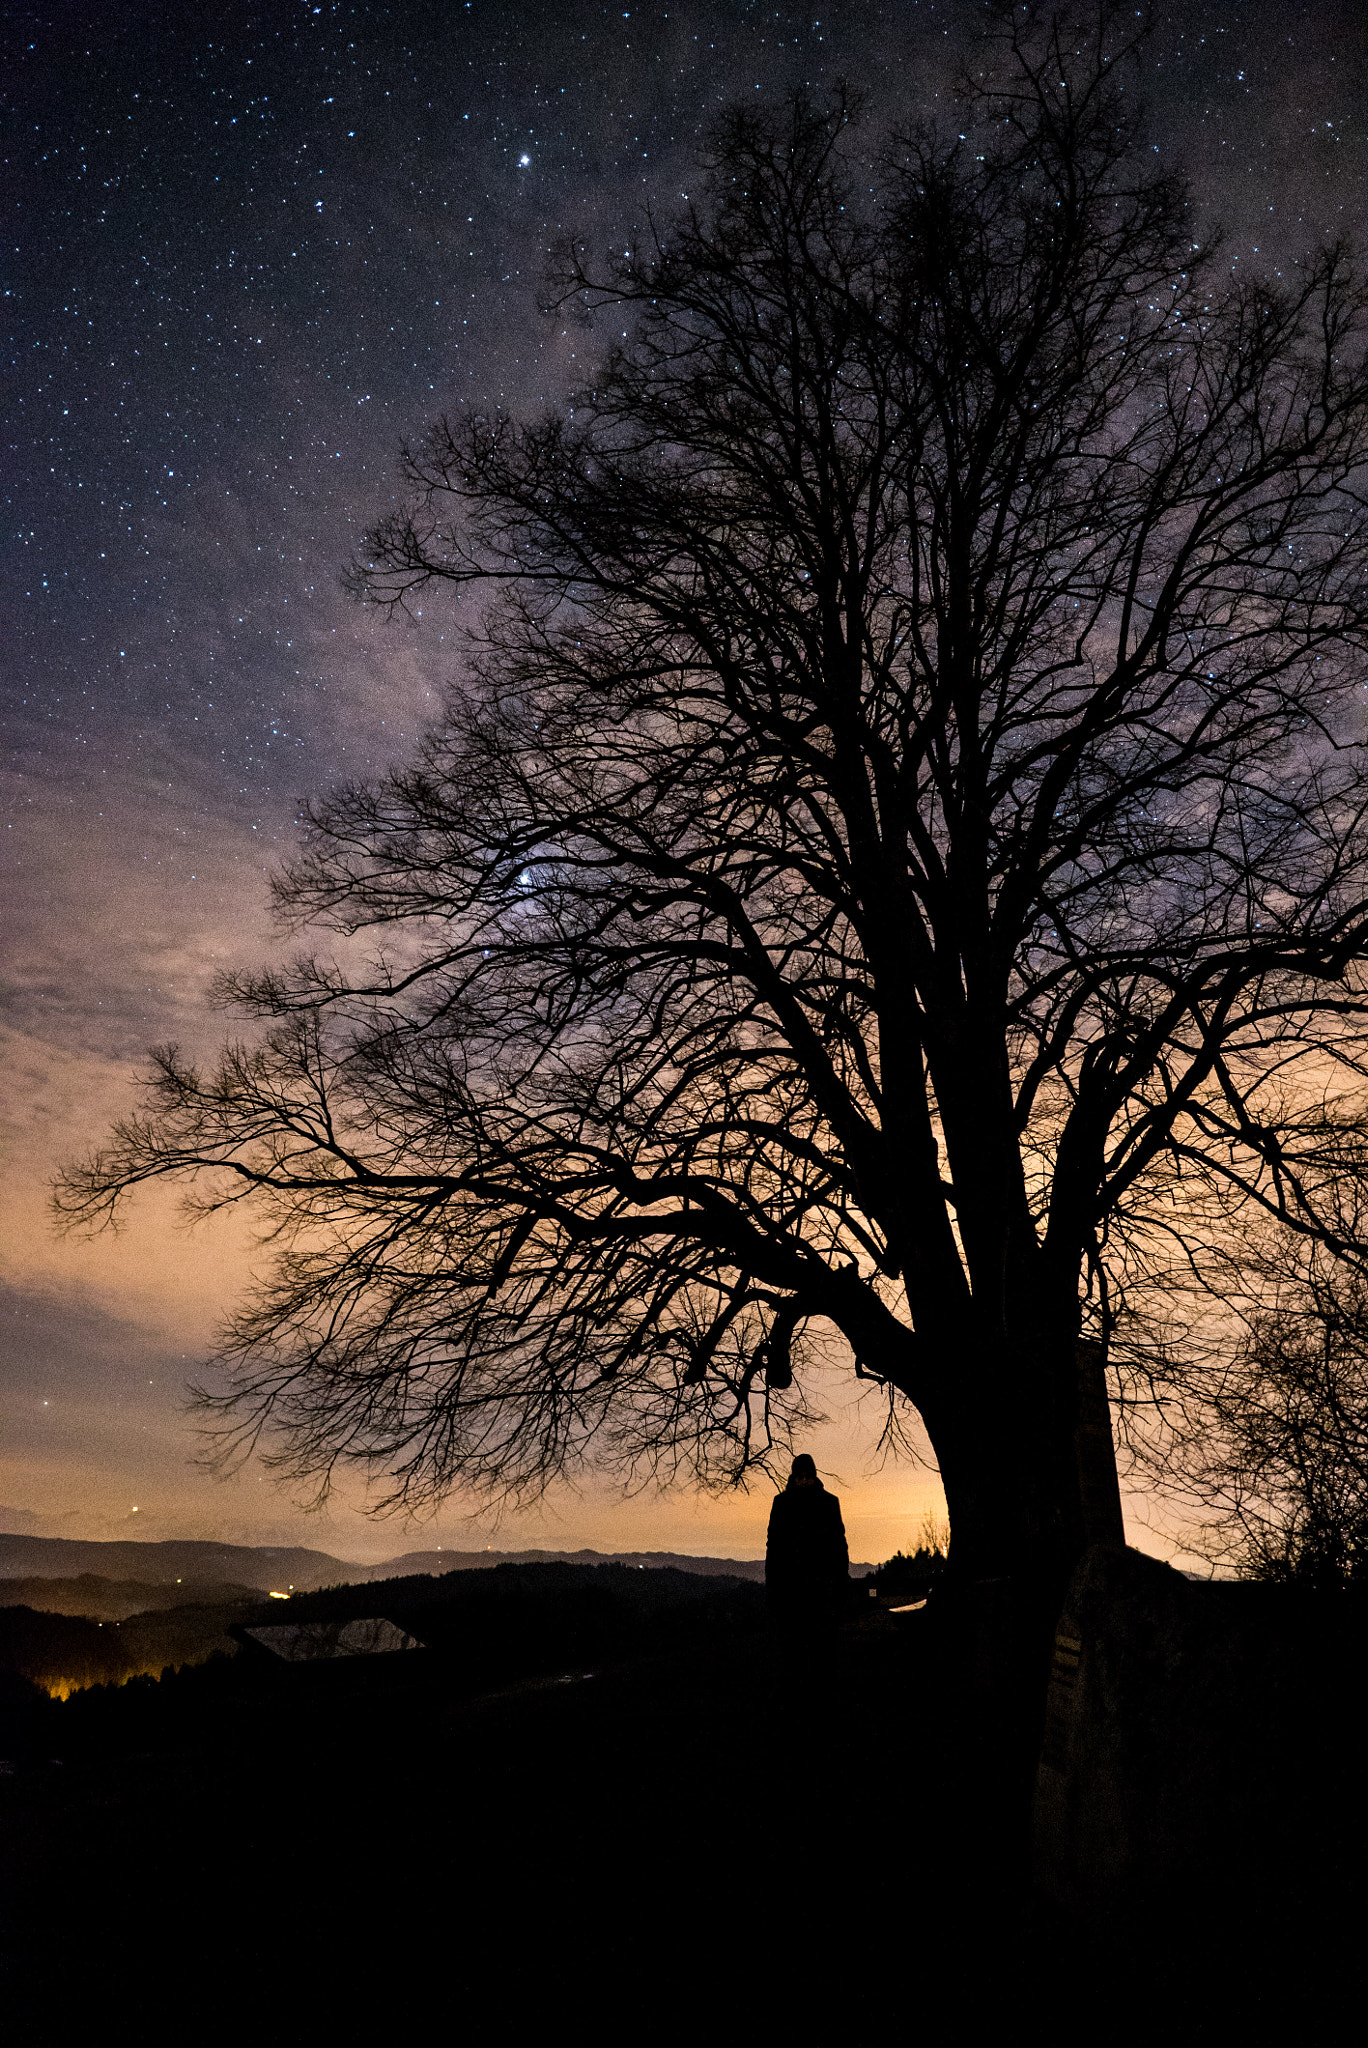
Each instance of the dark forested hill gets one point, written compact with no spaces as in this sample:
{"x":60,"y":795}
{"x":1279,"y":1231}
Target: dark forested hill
{"x":477,"y":1630}
{"x":63,"y":1652}
{"x":116,"y":1599}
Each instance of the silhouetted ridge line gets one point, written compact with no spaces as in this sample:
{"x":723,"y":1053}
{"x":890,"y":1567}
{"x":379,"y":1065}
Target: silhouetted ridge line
{"x":276,"y":1568}
{"x":263,"y":1569}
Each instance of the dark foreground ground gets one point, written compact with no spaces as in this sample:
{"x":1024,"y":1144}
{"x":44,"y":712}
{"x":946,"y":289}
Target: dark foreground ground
{"x":736,"y":1835}
{"x":736,"y":1825}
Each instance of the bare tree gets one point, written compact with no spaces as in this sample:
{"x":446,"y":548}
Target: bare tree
{"x":1271,"y":1451}
{"x":893,"y":875}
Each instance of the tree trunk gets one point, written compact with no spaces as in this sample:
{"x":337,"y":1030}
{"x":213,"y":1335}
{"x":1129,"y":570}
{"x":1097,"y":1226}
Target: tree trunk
{"x":1028,"y":1466}
{"x":1030,"y":1481}
{"x":1095,"y":1453}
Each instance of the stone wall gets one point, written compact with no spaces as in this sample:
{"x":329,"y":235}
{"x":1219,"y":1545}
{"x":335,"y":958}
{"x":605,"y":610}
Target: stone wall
{"x":1203,"y":1750}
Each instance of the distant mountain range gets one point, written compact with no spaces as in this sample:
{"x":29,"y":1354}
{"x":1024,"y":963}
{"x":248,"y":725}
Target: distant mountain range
{"x":272,"y":1570}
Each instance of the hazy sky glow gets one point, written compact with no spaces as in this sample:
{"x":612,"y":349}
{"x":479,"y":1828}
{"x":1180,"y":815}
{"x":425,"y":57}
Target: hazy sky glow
{"x":254,"y":249}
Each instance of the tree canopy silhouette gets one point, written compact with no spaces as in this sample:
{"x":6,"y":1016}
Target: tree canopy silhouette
{"x":1272,"y":1459}
{"x":892,"y":874}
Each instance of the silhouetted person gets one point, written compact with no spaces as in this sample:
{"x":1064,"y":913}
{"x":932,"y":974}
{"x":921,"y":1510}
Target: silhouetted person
{"x":807,"y":1565}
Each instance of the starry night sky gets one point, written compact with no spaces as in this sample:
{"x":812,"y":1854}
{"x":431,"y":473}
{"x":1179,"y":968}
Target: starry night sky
{"x":252,"y":249}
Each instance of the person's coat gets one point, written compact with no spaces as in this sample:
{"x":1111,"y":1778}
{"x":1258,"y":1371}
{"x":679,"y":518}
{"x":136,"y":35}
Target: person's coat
{"x":807,"y":1563}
